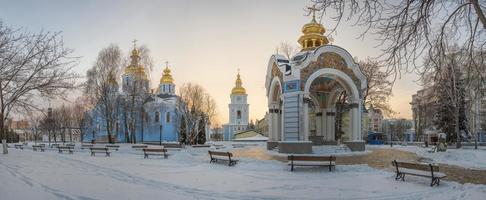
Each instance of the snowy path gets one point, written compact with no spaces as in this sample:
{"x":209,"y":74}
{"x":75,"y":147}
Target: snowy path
{"x":188,"y":175}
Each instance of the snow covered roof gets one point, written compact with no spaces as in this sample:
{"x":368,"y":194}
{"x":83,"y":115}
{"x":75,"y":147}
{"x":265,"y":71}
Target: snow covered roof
{"x":257,"y":137}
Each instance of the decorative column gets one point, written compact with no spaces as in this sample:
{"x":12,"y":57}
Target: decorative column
{"x":354,"y":122}
{"x":270,"y":124}
{"x":331,"y":116}
{"x":313,"y":42}
{"x":319,"y":123}
{"x":306,"y":120}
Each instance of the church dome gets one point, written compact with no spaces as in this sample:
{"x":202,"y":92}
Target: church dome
{"x":166,"y":77}
{"x":313,"y":34}
{"x":135,"y":68}
{"x":238,"y":89}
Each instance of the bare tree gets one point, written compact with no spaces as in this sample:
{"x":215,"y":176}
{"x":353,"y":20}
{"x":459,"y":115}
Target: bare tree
{"x":379,"y":87}
{"x":32,"y":65}
{"x":101,"y":85}
{"x":288,"y":49}
{"x":407,"y":30}
{"x":200,"y":109}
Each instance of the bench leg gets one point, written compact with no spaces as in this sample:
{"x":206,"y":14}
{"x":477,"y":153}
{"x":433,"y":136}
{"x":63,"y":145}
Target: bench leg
{"x":292,"y":167}
{"x":400,"y":176}
{"x":92,"y":153}
{"x":145,"y":156}
{"x":435,"y":181}
{"x":107,"y":154}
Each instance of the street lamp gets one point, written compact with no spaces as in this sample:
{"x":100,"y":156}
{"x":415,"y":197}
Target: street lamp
{"x":160,"y":136}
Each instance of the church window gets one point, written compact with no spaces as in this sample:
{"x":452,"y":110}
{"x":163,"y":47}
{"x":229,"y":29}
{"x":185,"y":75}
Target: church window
{"x":164,"y":88}
{"x":238,"y":114}
{"x":157,"y":116}
{"x":167,"y":117}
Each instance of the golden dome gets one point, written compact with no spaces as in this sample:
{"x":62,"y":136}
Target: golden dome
{"x":313,"y":35}
{"x":238,"y":89}
{"x":135,"y":68}
{"x":166,"y":77}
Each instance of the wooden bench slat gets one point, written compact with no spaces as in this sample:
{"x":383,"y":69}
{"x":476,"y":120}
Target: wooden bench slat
{"x":223,"y":156}
{"x":418,"y":169}
{"x":156,"y":152}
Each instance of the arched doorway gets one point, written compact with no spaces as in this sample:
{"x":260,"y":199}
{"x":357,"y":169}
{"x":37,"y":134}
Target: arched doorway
{"x":329,"y":86}
{"x":275,"y":110}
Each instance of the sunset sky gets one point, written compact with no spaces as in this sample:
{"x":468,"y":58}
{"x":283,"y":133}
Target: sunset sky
{"x":204,"y":41}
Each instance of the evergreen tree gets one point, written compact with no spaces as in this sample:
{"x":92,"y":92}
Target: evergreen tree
{"x":201,"y":135}
{"x":183,"y":131}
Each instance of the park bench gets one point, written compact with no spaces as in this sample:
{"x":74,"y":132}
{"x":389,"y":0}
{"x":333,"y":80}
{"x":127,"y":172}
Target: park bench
{"x":418,"y":169}
{"x":84,"y":146}
{"x":95,"y":150}
{"x":38,"y":147}
{"x":201,"y":145}
{"x":65,"y":148}
{"x":71,"y":145}
{"x":155,"y":152}
{"x":139,"y":146}
{"x":218,"y":146}
{"x":311,"y":160}
{"x":54,"y":145}
{"x":223,"y":156}
{"x":19,"y":146}
{"x":112,"y":146}
{"x":172,"y":146}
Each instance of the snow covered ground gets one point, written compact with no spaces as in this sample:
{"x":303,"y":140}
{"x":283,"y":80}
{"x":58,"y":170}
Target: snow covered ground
{"x":467,"y":158}
{"x":187,"y":174}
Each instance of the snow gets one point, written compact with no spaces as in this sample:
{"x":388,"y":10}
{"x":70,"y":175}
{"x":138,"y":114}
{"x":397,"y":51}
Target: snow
{"x":466,"y":158}
{"x":257,"y":137}
{"x":187,"y":174}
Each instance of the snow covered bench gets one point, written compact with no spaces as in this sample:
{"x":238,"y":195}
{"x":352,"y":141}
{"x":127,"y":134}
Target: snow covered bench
{"x":418,"y":169}
{"x":54,"y":145}
{"x":172,"y":146}
{"x":19,"y":146}
{"x":139,"y":146}
{"x":311,"y":160}
{"x":38,"y":147}
{"x":223,"y":156}
{"x":95,"y":150}
{"x":71,"y":145}
{"x":84,"y":146}
{"x":155,"y":152}
{"x":433,"y":149}
{"x":201,"y":145}
{"x":65,"y":148}
{"x":112,"y":146}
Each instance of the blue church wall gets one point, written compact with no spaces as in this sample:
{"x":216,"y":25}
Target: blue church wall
{"x":169,"y":119}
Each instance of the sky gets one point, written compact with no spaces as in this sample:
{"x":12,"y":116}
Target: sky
{"x":205,"y":42}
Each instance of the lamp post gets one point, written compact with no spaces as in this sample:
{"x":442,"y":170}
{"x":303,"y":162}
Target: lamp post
{"x":160,"y":136}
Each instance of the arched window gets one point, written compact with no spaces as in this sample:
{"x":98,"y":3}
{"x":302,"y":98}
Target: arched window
{"x":238,"y":114}
{"x":167,"y":117}
{"x":157,"y":116}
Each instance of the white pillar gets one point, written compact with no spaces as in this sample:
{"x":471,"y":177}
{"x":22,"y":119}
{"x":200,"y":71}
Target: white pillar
{"x":331,"y":116}
{"x":354,"y":116}
{"x":318,"y":123}
{"x":306,"y":122}
{"x":270,"y":124}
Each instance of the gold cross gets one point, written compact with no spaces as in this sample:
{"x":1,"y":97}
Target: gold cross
{"x":134,"y":43}
{"x":313,"y":9}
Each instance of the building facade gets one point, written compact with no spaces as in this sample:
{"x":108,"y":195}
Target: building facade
{"x":238,"y":111}
{"x":139,"y":114}
{"x":307,"y":92}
